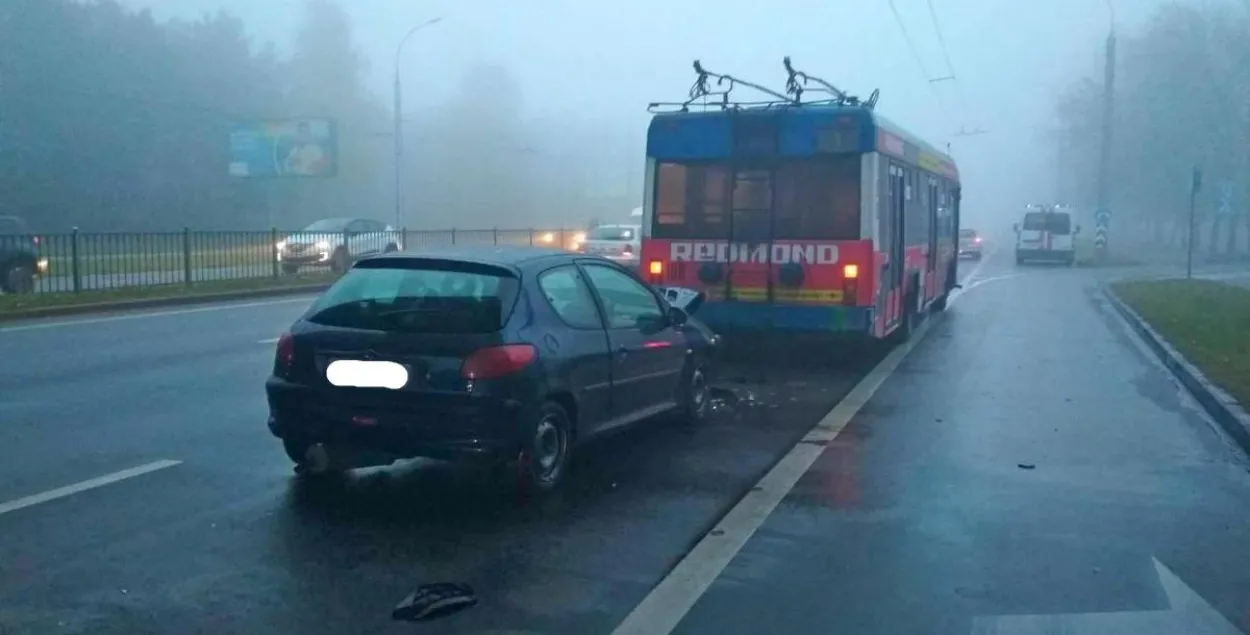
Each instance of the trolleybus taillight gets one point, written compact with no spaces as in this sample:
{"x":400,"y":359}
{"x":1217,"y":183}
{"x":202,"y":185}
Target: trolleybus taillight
{"x":655,"y":270}
{"x":850,"y":284}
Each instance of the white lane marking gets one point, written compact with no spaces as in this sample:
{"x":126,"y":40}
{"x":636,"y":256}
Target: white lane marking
{"x":272,"y":340}
{"x":663,"y":609}
{"x":99,"y":481}
{"x":136,"y":316}
{"x":966,"y":280}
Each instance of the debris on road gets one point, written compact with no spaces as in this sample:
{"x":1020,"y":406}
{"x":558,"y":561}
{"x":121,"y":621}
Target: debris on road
{"x":432,"y":601}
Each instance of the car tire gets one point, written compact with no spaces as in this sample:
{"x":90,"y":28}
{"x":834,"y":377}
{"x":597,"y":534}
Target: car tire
{"x":695,"y":394}
{"x":910,"y":319}
{"x":18,"y":278}
{"x":543,"y":458}
{"x":340,"y":261}
{"x":290,"y":270}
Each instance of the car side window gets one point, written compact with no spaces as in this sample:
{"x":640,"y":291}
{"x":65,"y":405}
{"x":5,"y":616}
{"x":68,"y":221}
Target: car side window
{"x":627,"y":302}
{"x":570,"y":298}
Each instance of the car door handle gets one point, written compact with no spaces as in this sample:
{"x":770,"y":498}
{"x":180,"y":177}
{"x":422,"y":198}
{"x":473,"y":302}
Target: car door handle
{"x":622,"y":350}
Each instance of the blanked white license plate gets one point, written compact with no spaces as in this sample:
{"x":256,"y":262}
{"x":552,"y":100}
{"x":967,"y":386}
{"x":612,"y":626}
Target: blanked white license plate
{"x":355,"y":373}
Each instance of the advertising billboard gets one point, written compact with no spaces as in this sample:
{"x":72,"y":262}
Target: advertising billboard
{"x":306,"y":147}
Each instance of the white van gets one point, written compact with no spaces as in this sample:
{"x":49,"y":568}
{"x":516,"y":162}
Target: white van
{"x":1046,"y":234}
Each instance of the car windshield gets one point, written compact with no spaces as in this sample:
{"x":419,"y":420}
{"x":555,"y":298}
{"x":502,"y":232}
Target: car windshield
{"x":622,"y":233}
{"x":418,"y":296}
{"x":328,"y":225}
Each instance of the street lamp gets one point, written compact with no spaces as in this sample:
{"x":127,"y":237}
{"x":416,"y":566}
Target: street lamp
{"x":398,"y":132}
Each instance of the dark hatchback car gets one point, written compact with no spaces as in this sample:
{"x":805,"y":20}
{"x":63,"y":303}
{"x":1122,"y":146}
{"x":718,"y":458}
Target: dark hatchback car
{"x":509,"y":355}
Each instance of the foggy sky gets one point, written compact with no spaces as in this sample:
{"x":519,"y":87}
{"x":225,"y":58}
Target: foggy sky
{"x":605,"y":61}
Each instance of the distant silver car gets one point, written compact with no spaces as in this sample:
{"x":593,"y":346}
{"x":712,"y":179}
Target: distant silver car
{"x":337,"y":242}
{"x":621,"y":243}
{"x":969,"y":244}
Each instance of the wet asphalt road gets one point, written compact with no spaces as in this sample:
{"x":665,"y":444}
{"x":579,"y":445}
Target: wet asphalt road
{"x":917,"y":519}
{"x":227,"y":542}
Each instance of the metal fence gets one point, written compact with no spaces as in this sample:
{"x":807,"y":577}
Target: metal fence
{"x":83,"y":261}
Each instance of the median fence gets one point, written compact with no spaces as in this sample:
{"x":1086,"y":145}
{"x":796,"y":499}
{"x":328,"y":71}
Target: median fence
{"x":84,"y":261}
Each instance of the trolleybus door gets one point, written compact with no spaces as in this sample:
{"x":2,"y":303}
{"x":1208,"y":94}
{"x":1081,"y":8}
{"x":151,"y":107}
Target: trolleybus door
{"x":931,"y":209}
{"x":750,"y":228}
{"x":895,"y":272}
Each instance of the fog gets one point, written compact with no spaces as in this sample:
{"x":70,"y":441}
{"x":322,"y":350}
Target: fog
{"x":566,"y":116}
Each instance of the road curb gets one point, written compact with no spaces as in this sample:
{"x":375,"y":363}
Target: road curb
{"x":1219,"y":404}
{"x":148,"y":303}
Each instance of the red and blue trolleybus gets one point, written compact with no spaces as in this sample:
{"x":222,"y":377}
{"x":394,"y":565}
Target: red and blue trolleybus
{"x":792,"y":216}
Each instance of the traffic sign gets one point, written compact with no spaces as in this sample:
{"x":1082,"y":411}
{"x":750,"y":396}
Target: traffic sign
{"x":1102,"y":216}
{"x":1224,"y":206}
{"x":1100,"y":236}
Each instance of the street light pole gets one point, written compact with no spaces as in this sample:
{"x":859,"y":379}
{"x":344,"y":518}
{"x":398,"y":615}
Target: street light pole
{"x":398,"y":126}
{"x":1103,"y":215}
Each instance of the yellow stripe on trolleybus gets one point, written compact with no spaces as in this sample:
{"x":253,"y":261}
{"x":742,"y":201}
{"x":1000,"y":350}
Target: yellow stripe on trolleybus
{"x":760,"y":294}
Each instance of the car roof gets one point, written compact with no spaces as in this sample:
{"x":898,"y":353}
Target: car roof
{"x":499,"y":255}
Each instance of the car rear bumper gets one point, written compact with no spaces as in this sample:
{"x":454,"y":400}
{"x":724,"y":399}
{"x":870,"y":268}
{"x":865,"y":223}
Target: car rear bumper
{"x":1056,"y":255}
{"x":450,"y":427}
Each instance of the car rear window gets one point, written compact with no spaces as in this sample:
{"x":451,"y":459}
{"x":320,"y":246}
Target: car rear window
{"x":413,"y":295}
{"x":613,"y":233}
{"x":1055,"y":223}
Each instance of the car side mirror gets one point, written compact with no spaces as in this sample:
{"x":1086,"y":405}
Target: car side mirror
{"x":677,"y":317}
{"x":1078,"y":230}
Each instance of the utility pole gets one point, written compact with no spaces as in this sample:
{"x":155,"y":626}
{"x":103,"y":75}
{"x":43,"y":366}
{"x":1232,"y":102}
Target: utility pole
{"x":398,"y":126}
{"x":1103,"y":214}
{"x":1194,"y":187}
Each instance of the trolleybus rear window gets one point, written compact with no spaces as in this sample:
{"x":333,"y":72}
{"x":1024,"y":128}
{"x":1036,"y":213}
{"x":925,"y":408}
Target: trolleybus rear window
{"x":809,"y":199}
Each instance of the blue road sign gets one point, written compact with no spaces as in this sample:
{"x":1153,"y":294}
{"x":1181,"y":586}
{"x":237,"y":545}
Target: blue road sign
{"x":1224,"y":206}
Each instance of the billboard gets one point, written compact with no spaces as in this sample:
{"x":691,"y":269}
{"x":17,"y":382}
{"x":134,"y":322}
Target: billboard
{"x":306,"y":147}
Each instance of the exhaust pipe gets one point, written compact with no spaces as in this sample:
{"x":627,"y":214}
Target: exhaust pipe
{"x":317,"y":458}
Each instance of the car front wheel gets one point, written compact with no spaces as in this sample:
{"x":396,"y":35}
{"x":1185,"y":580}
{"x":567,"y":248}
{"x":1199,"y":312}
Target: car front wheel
{"x":695,"y":394}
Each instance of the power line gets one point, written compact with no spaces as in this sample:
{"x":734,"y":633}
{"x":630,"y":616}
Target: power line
{"x":915,"y":53}
{"x":950,"y":67}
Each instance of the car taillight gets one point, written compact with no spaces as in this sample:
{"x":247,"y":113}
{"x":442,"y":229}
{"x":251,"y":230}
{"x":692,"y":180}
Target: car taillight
{"x":655,"y":271}
{"x":498,"y":361}
{"x":284,"y":356}
{"x":627,"y":250}
{"x":850,"y":284}
{"x":977,"y":239}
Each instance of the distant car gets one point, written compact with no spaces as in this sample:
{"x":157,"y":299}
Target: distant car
{"x":510,"y":355}
{"x":621,"y":243}
{"x":20,"y":262}
{"x":336,"y":242}
{"x":969,"y":244}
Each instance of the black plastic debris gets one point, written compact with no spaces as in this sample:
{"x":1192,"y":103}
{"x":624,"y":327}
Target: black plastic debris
{"x":1025,"y":466}
{"x":432,"y":601}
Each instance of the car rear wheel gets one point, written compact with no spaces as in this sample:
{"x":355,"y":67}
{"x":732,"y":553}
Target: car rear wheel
{"x":18,"y":278}
{"x":544,"y":457}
